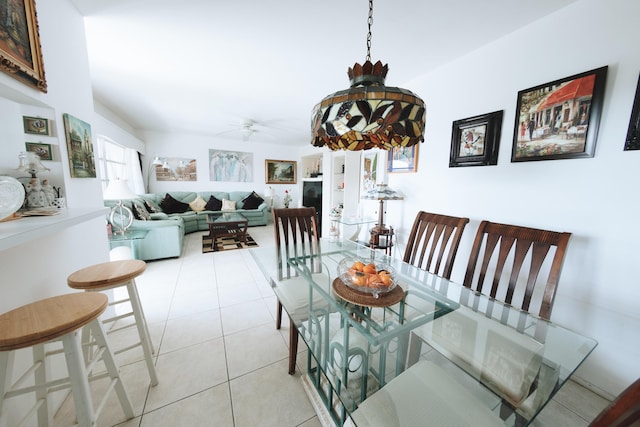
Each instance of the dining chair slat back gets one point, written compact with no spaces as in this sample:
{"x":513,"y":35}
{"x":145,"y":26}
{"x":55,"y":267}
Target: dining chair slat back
{"x":296,"y":234}
{"x":502,"y":249}
{"x":433,"y":242}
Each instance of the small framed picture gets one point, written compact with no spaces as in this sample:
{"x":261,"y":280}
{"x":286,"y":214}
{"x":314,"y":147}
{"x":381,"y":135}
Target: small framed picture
{"x":403,"y":159}
{"x":633,"y":139}
{"x":42,"y":150}
{"x":280,"y":171}
{"x":559,"y":119}
{"x":35,"y":125}
{"x":475,"y":141}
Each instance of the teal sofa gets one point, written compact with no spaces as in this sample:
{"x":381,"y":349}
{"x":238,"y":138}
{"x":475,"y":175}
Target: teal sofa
{"x":166,"y":231}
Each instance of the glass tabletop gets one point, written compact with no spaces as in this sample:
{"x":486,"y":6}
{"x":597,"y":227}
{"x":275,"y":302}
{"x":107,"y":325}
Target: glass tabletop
{"x":221,"y":217}
{"x":513,"y":358}
{"x":355,"y":220}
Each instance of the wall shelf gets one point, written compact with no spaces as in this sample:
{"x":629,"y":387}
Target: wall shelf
{"x":24,"y":230}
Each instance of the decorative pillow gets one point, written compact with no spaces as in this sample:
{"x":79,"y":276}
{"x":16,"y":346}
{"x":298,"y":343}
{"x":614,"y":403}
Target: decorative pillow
{"x":151,"y":207}
{"x":213,"y":204}
{"x":139,"y":212}
{"x":170,"y":205}
{"x":252,"y":201}
{"x":228,"y":205}
{"x":198,"y":204}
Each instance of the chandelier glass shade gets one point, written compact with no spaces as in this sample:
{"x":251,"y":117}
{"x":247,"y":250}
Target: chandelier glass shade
{"x":368,"y":114}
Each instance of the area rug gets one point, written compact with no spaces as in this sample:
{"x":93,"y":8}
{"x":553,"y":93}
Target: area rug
{"x":227,"y":244}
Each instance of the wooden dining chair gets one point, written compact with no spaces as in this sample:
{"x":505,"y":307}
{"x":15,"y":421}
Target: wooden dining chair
{"x":500,"y":251}
{"x":434,"y":238}
{"x":624,"y":411}
{"x":296,"y":234}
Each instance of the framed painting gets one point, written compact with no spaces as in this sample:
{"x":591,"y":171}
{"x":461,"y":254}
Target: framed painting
{"x":560,"y":119}
{"x":633,"y":141}
{"x":20,"y":51}
{"x":177,"y":169}
{"x":402,"y":159}
{"x":82,"y":161}
{"x":231,"y":166}
{"x":280,"y":171}
{"x":42,"y":150}
{"x":35,"y":125}
{"x":373,"y":169}
{"x":475,"y":140}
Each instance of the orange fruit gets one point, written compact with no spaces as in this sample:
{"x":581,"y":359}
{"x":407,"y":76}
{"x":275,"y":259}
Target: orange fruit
{"x":358,"y":266}
{"x":370,"y":269}
{"x":385,"y":277}
{"x":359,"y":279}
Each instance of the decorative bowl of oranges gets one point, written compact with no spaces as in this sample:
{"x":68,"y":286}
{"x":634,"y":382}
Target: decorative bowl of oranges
{"x":371,"y":277}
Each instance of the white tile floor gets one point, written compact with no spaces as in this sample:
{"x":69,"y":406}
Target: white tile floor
{"x":220,"y":360}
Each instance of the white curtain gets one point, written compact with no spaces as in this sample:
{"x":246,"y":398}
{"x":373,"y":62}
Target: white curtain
{"x":133,"y":171}
{"x":118,"y":162}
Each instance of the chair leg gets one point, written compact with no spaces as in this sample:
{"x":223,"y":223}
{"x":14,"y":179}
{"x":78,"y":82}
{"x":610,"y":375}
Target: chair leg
{"x":45,"y":418}
{"x":78,"y":376}
{"x":6,"y":371}
{"x":112,"y":368}
{"x":278,"y":315}
{"x":143,"y":331}
{"x":293,"y":347}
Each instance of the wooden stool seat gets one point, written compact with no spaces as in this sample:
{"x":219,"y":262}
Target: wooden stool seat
{"x":48,"y":319}
{"x":57,"y":319}
{"x":115,"y":274}
{"x":106,"y":275}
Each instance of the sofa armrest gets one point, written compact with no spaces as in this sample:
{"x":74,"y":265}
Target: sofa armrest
{"x":159,"y":216}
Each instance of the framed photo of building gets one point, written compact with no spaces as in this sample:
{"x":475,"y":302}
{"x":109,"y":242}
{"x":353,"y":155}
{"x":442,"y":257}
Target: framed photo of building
{"x":560,"y":119}
{"x":475,"y":140}
{"x":403,"y":159}
{"x":280,"y":171}
{"x":82,"y":161}
{"x":20,"y":53}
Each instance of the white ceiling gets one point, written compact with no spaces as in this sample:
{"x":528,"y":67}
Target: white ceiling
{"x":205,"y":67}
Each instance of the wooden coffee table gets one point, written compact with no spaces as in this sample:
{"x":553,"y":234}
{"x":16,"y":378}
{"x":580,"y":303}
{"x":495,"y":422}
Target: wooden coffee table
{"x":227,"y":224}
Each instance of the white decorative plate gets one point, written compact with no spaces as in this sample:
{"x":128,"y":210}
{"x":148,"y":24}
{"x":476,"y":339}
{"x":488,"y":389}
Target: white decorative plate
{"x":11,"y":196}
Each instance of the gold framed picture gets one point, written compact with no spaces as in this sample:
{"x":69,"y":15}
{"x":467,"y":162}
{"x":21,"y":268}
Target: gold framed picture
{"x":20,"y":51}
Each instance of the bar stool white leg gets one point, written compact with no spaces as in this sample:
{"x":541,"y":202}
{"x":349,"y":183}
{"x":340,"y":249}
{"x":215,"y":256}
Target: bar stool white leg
{"x":112,"y":368}
{"x":6,"y":369}
{"x":42,"y":395}
{"x":143,"y":331}
{"x":78,"y":376}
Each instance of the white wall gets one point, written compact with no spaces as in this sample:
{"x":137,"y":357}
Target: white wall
{"x":596,"y":199}
{"x":39,"y":269}
{"x":197,"y":147}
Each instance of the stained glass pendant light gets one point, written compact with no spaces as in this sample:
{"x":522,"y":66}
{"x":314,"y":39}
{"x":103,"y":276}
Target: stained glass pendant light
{"x":368,"y":114}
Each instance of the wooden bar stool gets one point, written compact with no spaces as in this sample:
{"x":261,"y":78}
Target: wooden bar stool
{"x":57,"y":319}
{"x":115,"y":274}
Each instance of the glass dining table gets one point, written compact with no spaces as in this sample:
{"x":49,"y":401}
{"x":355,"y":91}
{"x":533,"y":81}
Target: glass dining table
{"x":510,"y":361}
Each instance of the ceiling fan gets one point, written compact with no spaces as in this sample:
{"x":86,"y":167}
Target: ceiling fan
{"x":248,"y":128}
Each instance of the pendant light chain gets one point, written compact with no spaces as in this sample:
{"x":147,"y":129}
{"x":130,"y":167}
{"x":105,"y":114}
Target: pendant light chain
{"x":369,"y":22}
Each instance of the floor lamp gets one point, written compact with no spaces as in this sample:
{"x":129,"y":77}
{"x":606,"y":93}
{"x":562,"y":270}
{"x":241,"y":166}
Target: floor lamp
{"x":382,"y":192}
{"x":156,"y":162}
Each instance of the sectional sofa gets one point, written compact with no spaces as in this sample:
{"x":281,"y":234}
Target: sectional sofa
{"x":169,"y":216}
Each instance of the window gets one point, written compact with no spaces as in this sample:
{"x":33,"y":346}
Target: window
{"x":118,"y":162}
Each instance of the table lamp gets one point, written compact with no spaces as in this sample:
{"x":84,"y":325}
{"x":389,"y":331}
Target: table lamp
{"x":119,"y":190}
{"x":382,"y":192}
{"x":30,"y":163}
{"x":270,"y":192}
